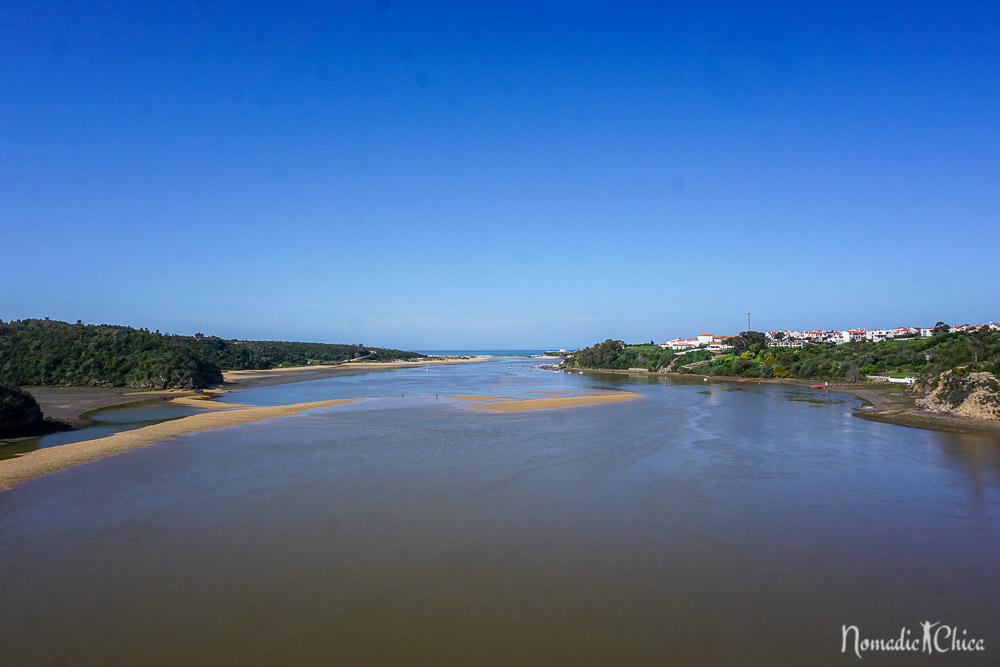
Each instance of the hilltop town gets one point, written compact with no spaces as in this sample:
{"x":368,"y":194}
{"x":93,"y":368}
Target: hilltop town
{"x":795,"y":339}
{"x":953,"y":370}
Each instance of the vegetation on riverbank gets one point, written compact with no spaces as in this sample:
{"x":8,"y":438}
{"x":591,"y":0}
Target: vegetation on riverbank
{"x":48,"y":352}
{"x":977,"y":350}
{"x":616,"y":355}
{"x":18,"y":410}
{"x":958,"y":371}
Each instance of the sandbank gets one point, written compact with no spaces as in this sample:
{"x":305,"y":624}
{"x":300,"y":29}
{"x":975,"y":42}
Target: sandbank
{"x":206,"y":402}
{"x":68,"y":407}
{"x":50,"y":459}
{"x":506,"y":404}
{"x":236,"y":380}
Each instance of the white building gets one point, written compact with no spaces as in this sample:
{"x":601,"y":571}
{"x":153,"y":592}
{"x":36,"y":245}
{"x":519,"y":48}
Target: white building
{"x":901,"y":332}
{"x":852,"y":335}
{"x":681,"y":344}
{"x":785,"y":334}
{"x":710,"y":341}
{"x":786,"y":343}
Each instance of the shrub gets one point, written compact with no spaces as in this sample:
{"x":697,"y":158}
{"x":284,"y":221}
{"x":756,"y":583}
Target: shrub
{"x":18,"y":409}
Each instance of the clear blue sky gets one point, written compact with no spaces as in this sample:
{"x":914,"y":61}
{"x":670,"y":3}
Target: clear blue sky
{"x":476,"y":175}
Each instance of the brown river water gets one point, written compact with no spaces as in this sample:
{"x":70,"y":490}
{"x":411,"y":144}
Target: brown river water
{"x":700,"y":523}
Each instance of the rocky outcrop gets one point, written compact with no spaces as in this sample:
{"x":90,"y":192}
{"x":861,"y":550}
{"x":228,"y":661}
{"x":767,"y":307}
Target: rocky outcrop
{"x":18,"y":410}
{"x":975,"y":395}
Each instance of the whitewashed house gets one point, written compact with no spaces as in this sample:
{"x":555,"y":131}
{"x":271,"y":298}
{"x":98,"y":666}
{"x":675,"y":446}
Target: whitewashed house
{"x":710,"y":341}
{"x":681,"y":344}
{"x":877,"y":335}
{"x":902,"y":332}
{"x":720,"y":343}
{"x":852,"y":335}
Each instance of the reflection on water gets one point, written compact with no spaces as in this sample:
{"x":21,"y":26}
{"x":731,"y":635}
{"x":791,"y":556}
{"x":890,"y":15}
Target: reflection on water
{"x":742,"y":526}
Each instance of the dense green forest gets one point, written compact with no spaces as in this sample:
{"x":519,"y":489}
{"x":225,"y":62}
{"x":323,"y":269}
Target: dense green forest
{"x":977,"y":350}
{"x":48,"y":352}
{"x":615,"y":354}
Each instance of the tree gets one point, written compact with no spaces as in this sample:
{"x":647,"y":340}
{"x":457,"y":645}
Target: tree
{"x":940,"y":328}
{"x":749,"y":341}
{"x":18,"y":409}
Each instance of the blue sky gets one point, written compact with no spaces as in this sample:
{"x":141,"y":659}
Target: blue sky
{"x":475,"y":175}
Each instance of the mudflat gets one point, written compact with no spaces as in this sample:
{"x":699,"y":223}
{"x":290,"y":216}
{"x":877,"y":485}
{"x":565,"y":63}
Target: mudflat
{"x":890,"y":405}
{"x":70,"y":404}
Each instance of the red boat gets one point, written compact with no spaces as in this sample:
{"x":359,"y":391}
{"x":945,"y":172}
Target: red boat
{"x":820,"y":386}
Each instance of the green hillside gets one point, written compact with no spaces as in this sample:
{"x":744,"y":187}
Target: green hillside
{"x":48,"y":352}
{"x":977,"y":350}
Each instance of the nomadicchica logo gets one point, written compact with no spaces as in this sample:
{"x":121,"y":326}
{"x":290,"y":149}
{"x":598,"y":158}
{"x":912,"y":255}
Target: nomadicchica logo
{"x":934,"y":637}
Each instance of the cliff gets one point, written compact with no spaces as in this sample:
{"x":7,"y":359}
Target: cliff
{"x":975,"y":395}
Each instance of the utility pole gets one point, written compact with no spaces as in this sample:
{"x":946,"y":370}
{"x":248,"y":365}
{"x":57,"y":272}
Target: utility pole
{"x":748,"y":320}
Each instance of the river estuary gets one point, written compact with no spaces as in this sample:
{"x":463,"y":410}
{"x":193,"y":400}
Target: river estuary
{"x":700,"y":523}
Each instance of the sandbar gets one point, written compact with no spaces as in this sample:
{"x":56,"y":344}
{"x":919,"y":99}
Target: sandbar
{"x":70,"y":405}
{"x":505,"y":404}
{"x":43,"y":461}
{"x":205,"y":402}
{"x":235,"y":380}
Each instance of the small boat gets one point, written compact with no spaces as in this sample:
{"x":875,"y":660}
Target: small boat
{"x":820,"y":386}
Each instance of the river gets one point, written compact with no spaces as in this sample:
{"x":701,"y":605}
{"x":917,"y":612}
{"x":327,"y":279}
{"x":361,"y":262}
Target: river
{"x":701,"y":523}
